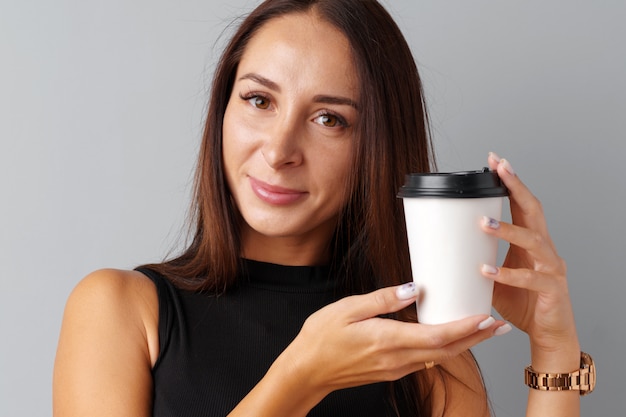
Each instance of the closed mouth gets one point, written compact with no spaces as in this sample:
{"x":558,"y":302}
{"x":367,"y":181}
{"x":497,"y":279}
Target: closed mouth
{"x":275,"y":194}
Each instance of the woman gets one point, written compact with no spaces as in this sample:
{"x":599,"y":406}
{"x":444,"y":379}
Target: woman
{"x":290,"y":300}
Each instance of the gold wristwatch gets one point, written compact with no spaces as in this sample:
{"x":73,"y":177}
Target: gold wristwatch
{"x":582,"y":380}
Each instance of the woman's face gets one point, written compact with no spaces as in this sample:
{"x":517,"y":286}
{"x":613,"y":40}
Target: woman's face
{"x":288,"y":137}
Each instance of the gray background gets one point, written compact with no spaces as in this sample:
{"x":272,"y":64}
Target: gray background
{"x":101,"y":107}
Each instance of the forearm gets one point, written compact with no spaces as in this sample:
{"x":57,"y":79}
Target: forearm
{"x":284,"y":391}
{"x":554,"y":403}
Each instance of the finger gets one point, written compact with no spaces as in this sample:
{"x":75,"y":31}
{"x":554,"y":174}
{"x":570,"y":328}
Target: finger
{"x":527,"y":279}
{"x":525,"y":207}
{"x":398,"y":334}
{"x":441,"y":354}
{"x":382,"y":301}
{"x":493,"y":160}
{"x":539,"y":246}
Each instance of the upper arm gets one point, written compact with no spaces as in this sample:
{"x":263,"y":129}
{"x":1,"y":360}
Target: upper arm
{"x":106,"y":347}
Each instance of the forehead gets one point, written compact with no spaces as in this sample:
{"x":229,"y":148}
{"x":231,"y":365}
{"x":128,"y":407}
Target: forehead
{"x":301,"y":47}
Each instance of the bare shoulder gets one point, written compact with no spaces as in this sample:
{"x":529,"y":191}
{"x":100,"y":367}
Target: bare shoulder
{"x":122,"y":298}
{"x":114,"y":294}
{"x":107,"y":346}
{"x":113,"y":283}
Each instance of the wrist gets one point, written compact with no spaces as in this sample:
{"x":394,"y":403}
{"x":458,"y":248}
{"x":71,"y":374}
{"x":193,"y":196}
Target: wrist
{"x":565,"y":358}
{"x":292,"y":374}
{"x":284,"y":391}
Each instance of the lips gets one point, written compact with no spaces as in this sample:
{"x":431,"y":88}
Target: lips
{"x":273,"y":194}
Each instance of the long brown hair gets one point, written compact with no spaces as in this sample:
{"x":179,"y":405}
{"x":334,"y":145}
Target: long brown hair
{"x":369,"y":250}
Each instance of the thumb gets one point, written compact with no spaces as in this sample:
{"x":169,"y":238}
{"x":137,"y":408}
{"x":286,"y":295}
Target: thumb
{"x":382,"y":301}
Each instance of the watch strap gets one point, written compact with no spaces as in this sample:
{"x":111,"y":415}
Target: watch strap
{"x":582,"y":380}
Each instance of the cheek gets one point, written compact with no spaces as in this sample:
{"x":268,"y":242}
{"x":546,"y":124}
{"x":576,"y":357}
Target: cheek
{"x":238,"y":134}
{"x":230,"y":145}
{"x":230,"y":126}
{"x":336,"y":173}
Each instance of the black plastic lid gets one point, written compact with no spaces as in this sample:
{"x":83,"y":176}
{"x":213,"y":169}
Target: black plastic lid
{"x":465,"y":184}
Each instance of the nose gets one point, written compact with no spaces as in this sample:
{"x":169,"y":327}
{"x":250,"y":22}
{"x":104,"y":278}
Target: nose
{"x":282,"y":147}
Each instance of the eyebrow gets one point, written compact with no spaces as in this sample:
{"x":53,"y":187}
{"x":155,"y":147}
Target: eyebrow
{"x":317,"y":99}
{"x":335,"y":100}
{"x":261,"y":80}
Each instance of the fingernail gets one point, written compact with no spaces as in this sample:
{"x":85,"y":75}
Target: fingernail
{"x":504,"y":329}
{"x":491,"y":223}
{"x":486,"y":323}
{"x":489,"y":269}
{"x":494,"y":156}
{"x":507,"y":166}
{"x":406,"y":291}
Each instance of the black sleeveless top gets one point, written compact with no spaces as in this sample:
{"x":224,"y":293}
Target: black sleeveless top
{"x":215,"y":349}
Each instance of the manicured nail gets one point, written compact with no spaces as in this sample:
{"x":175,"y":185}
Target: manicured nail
{"x":489,"y":269}
{"x":507,"y":165}
{"x":486,"y":323}
{"x":491,"y":223}
{"x":504,"y":329}
{"x":406,"y":291}
{"x":494,"y":156}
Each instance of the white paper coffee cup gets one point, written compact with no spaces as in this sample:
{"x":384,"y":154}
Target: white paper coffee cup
{"x":443,"y":213}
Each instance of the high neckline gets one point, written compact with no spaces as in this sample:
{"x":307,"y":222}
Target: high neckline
{"x":287,"y":277}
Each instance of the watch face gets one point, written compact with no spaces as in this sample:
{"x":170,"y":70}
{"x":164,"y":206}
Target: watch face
{"x":587,"y":374}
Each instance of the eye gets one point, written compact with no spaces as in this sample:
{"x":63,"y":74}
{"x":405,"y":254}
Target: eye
{"x":260,"y":102}
{"x":257,"y":100}
{"x":330,"y":120}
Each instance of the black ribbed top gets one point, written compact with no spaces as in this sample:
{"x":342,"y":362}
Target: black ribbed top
{"x":214,"y":349}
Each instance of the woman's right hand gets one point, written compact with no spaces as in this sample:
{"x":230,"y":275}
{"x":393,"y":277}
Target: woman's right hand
{"x":348,"y":344}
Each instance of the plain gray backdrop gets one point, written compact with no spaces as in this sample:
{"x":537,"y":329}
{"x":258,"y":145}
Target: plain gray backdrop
{"x":101,"y":108}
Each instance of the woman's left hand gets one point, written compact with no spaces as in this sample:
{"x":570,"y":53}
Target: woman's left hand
{"x":531,"y":286}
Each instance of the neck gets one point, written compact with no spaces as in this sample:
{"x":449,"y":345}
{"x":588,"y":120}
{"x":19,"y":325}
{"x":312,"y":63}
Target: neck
{"x":293,"y":251}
